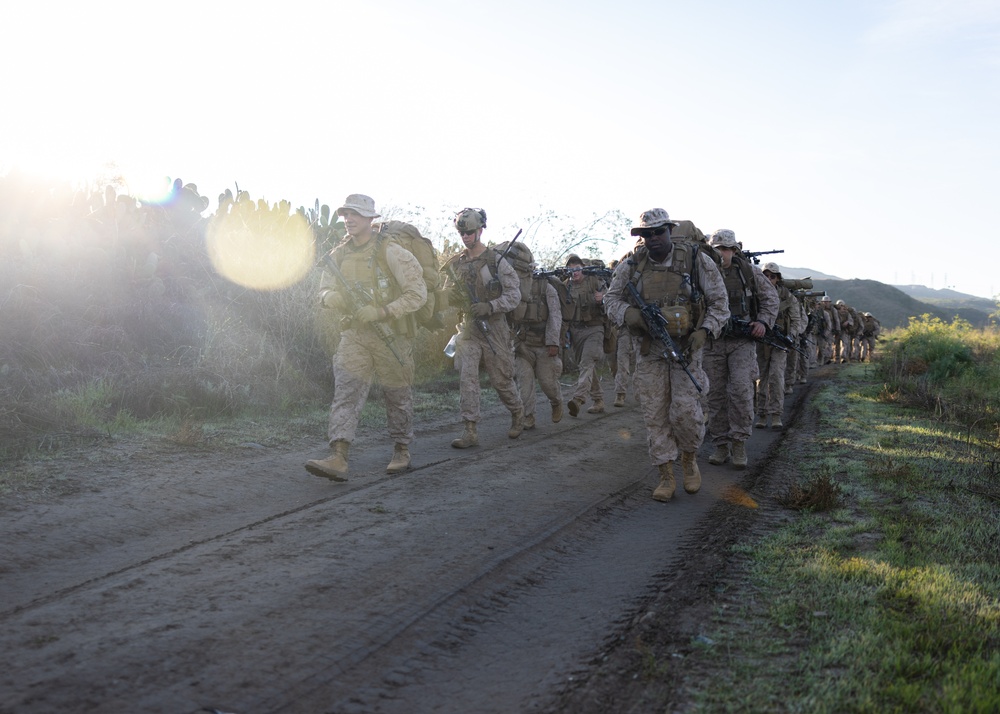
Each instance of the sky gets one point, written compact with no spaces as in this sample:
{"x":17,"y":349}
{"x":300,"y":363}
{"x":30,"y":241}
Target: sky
{"x":862,"y":137}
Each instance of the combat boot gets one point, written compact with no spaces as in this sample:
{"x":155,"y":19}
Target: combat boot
{"x":739,"y":454}
{"x":776,"y":422}
{"x":400,"y":459}
{"x":761,"y":422}
{"x":665,"y":491}
{"x":529,"y":422}
{"x":720,"y":455}
{"x":574,"y":406}
{"x":468,"y":437}
{"x":692,"y":476}
{"x":556,"y":413}
{"x":334,"y":467}
{"x":597,"y":407}
{"x":620,"y":399}
{"x":516,"y":424}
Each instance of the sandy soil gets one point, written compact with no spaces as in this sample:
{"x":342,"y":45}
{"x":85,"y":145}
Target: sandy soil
{"x":509,"y":577}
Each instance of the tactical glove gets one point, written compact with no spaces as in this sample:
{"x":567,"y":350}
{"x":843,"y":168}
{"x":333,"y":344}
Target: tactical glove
{"x":331,"y":299}
{"x":697,"y":339}
{"x":369,"y":313}
{"x":633,"y":318}
{"x":481,"y":309}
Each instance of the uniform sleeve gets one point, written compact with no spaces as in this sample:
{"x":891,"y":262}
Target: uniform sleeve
{"x":798,"y":318}
{"x":615,"y":302}
{"x":511,"y":289}
{"x":406,"y":270}
{"x":767,"y":310}
{"x":553,"y":327}
{"x":716,"y":298}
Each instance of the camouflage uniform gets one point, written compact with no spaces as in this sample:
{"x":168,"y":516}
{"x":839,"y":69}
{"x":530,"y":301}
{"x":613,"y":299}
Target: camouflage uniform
{"x":537,"y":332}
{"x":392,"y":276}
{"x":829,"y":330}
{"x":772,"y":362}
{"x":799,"y":363}
{"x":731,"y":362}
{"x":585,"y":318}
{"x":870,"y":331}
{"x":626,"y":354}
{"x":485,"y":279}
{"x":848,"y":318}
{"x":670,"y":403}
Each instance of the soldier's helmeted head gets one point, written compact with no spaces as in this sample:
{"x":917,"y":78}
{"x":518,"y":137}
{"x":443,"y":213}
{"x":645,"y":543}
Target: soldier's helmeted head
{"x":839,"y":303}
{"x":772,"y":269}
{"x":470,"y":219}
{"x":825,"y":299}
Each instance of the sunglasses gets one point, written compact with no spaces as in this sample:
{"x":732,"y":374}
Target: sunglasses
{"x":468,"y":233}
{"x":650,"y":232}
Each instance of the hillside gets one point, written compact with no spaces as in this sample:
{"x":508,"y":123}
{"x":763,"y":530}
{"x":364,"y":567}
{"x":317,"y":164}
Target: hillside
{"x":949,"y":300}
{"x":892,"y":306}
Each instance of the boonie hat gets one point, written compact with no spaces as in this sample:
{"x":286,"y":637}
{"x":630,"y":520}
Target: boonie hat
{"x":653,"y":218}
{"x":825,"y":298}
{"x":723,"y":238}
{"x":360,"y":204}
{"x":772,"y":268}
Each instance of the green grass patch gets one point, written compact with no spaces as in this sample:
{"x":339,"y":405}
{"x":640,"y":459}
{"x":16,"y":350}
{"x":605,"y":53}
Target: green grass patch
{"x":888,"y":600}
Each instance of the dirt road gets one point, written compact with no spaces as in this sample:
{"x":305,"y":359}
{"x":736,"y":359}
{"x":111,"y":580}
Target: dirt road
{"x":174,"y":580}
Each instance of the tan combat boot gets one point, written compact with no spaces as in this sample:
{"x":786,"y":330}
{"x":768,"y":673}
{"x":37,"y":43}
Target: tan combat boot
{"x":597,"y":407}
{"x":468,"y":437}
{"x":516,"y":424}
{"x":665,"y":491}
{"x":692,"y":476}
{"x":574,"y":406}
{"x":400,"y":459}
{"x":720,"y":455}
{"x":761,"y":422}
{"x":529,"y":422}
{"x":739,"y":455}
{"x":776,"y":422}
{"x":556,"y":413}
{"x":620,"y":399}
{"x":334,"y":467}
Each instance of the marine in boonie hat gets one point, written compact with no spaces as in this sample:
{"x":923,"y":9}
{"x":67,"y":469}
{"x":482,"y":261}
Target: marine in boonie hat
{"x":653,"y":218}
{"x":724,"y":238}
{"x":772,"y":268}
{"x":360,"y":204}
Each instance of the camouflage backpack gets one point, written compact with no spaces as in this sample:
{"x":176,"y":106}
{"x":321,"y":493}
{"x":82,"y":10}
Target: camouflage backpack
{"x":410,"y":238}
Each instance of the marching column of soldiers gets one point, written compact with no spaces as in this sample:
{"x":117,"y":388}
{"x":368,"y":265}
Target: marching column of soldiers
{"x":709,"y":343}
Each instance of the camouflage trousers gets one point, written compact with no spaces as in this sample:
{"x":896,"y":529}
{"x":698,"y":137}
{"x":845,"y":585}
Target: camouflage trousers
{"x":496,"y":354}
{"x":867,"y":348}
{"x":772,"y":365}
{"x":843,"y":348}
{"x":798,"y":365}
{"x":670,"y":404}
{"x":588,"y":345}
{"x":628,"y":348}
{"x":856,"y":346}
{"x":362,"y":357}
{"x":825,"y":347}
{"x":731,"y":365}
{"x":532,"y":363}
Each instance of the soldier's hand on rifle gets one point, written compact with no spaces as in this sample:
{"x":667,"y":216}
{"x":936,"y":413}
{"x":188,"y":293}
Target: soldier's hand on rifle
{"x":633,"y":318}
{"x":553,"y":350}
{"x":481,"y":309}
{"x":369,"y":313}
{"x":697,"y":340}
{"x":331,"y":299}
{"x":758,"y":329}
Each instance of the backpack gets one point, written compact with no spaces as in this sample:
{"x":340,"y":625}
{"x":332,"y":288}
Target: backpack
{"x":408,"y":236}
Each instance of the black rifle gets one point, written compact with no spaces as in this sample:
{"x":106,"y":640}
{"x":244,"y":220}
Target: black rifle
{"x":356,"y":298}
{"x":656,"y":326}
{"x":755,"y":255}
{"x":773,"y":336}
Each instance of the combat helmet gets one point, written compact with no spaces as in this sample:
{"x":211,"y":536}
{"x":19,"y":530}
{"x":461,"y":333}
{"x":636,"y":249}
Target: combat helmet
{"x":470,"y":219}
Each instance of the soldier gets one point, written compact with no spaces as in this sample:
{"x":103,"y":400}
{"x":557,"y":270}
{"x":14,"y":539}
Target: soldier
{"x":731,"y":361}
{"x":771,"y":361}
{"x":584,"y":315}
{"x":682,"y":277}
{"x":829,"y":333}
{"x":376,"y":340}
{"x":870,"y":331}
{"x":489,"y":288}
{"x":800,"y":362}
{"x":537,"y":325}
{"x":848,"y":317}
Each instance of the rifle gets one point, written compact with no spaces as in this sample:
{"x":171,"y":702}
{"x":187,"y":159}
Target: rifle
{"x":773,"y":336}
{"x":357,"y":298}
{"x":563,"y":273}
{"x":755,"y":255}
{"x":656,"y":325}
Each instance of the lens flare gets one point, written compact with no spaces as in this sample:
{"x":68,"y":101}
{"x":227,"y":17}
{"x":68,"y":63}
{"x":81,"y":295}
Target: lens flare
{"x":260,"y":249}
